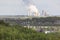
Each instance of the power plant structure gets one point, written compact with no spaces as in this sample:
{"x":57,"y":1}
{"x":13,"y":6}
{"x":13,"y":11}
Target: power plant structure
{"x":37,"y":14}
{"x":33,"y":14}
{"x":44,"y":13}
{"x":33,"y":11}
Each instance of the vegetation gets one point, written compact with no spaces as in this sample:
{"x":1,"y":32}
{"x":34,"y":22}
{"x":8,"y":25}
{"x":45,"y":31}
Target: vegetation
{"x":20,"y":33}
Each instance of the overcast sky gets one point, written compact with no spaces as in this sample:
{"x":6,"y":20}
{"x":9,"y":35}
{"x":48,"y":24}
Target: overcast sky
{"x":18,"y":7}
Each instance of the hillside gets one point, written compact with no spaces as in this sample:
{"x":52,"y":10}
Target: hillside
{"x":17,"y":32}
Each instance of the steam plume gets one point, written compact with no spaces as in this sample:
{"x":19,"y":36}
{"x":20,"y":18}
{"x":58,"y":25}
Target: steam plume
{"x":32,"y":9}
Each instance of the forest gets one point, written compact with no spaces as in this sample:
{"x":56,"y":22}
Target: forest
{"x":34,"y":21}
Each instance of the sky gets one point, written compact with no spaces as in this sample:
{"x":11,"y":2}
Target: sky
{"x":19,"y":7}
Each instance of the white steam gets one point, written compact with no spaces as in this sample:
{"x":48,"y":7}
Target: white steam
{"x":33,"y":9}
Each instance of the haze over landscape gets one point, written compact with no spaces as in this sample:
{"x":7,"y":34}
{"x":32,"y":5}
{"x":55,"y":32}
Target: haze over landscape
{"x":18,"y":7}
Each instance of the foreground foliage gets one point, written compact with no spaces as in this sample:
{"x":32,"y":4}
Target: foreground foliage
{"x":16,"y":32}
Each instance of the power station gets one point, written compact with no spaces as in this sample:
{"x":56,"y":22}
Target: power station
{"x":37,"y":14}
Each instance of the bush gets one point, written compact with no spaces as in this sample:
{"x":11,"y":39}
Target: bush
{"x":21,"y":33}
